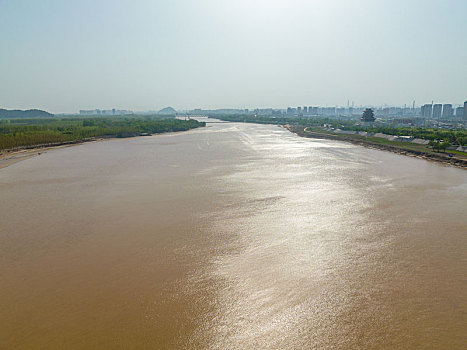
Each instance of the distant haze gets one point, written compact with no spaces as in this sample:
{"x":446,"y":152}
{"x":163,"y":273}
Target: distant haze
{"x":63,"y":56}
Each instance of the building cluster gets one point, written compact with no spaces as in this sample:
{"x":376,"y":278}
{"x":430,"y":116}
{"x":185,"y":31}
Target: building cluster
{"x":428,"y":111}
{"x":443,"y":111}
{"x":104,"y":112}
{"x":323,"y":111}
{"x":382,"y":112}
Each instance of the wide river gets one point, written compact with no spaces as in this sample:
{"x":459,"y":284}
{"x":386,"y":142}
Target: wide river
{"x":233,"y":236}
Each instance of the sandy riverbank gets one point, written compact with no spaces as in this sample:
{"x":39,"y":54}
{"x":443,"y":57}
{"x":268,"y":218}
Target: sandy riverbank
{"x":439,"y":158}
{"x":12,"y":156}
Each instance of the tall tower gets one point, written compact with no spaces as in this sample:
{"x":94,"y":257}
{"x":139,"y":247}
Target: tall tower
{"x":447,"y":110}
{"x":437,"y":108}
{"x":465,"y":111}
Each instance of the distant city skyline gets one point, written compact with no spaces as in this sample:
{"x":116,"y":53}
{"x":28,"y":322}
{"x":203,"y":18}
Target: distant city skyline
{"x":64,"y":56}
{"x":430,"y":110}
{"x":445,"y":106}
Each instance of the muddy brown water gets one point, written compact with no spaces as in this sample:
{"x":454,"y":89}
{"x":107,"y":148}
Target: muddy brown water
{"x":234,"y":236}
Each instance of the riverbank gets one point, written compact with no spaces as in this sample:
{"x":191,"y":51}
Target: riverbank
{"x":11,"y":156}
{"x":18,"y":133}
{"x":394,"y":147}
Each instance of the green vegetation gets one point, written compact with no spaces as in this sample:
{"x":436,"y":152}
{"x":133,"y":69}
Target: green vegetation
{"x":379,"y":141}
{"x":16,"y":133}
{"x":452,"y":136}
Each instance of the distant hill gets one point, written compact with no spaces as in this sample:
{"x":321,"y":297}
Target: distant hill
{"x":31,"y":113}
{"x":167,"y":111}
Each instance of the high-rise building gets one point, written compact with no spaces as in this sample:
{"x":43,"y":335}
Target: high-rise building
{"x":447,"y":110}
{"x":305,"y":110}
{"x":437,"y":108}
{"x":460,"y":112}
{"x":299,"y":110}
{"x":426,"y":111}
{"x":329,"y":111}
{"x":465,"y":111}
{"x":276,"y":112}
{"x":341,"y":111}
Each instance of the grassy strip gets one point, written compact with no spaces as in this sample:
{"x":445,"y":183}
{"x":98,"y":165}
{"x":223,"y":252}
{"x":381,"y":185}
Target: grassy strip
{"x":382,"y":141}
{"x":419,"y":151}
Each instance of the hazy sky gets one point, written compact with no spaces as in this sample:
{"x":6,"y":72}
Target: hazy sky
{"x":63,"y":56}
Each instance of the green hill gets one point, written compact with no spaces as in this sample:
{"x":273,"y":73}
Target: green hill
{"x":31,"y":113}
{"x":167,"y":111}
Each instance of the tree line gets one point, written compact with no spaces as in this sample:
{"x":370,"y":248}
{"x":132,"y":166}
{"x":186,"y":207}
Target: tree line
{"x":30,"y":132}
